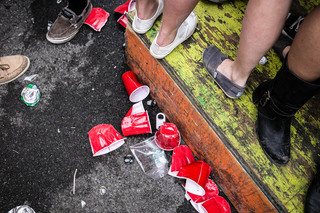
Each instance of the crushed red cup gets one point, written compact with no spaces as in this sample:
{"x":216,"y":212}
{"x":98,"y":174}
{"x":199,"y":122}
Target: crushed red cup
{"x":104,"y":138}
{"x":136,"y":124}
{"x":124,"y":9}
{"x":216,"y":204}
{"x":196,"y":175}
{"x":181,"y":156}
{"x":97,"y":18}
{"x":123,"y":20}
{"x":136,"y":121}
{"x":167,"y":137}
{"x":211,"y":190}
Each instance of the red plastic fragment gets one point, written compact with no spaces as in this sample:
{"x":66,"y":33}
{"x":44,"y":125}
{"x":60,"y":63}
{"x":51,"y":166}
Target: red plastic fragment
{"x":97,"y":19}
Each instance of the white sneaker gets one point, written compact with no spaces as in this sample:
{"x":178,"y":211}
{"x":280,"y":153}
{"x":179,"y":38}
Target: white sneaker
{"x":184,"y":32}
{"x":142,"y":26}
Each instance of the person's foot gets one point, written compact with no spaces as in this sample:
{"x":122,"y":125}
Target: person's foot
{"x":143,"y":21}
{"x":219,"y":67}
{"x":67,"y":25}
{"x":227,"y":69}
{"x":12,"y":67}
{"x":185,"y":30}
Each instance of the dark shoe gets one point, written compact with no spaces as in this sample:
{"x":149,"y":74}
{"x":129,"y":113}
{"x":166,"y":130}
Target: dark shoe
{"x":12,"y":67}
{"x":282,"y":42}
{"x":67,"y":25}
{"x":312,"y":204}
{"x":212,"y":57}
{"x":279,"y":99}
{"x":273,"y":130}
{"x":292,"y":25}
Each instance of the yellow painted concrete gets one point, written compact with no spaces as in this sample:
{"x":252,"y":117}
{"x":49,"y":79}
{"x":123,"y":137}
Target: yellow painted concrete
{"x":221,"y":25}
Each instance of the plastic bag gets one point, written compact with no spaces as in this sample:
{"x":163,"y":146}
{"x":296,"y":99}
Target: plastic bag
{"x":151,"y":159}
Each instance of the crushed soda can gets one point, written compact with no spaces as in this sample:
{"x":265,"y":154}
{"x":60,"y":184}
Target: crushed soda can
{"x":30,"y":95}
{"x":22,"y":209}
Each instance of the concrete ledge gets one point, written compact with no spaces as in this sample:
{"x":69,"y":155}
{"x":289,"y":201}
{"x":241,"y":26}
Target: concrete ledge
{"x":240,"y":188}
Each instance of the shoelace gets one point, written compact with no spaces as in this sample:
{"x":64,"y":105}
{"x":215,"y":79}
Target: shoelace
{"x":297,"y":22}
{"x":4,"y":67}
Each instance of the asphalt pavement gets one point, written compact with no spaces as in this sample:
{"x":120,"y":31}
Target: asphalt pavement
{"x":42,"y":146}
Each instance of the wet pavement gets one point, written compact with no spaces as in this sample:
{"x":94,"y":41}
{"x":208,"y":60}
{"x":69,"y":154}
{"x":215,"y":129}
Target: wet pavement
{"x":81,"y":87}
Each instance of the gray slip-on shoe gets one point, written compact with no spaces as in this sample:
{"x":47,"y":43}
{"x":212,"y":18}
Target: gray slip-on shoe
{"x":212,"y":57}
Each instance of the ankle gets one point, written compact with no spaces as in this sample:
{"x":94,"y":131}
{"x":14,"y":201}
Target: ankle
{"x":164,"y":39}
{"x":229,"y":69}
{"x":147,"y":11}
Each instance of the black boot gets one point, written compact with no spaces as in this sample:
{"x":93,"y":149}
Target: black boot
{"x":279,"y":99}
{"x":312,"y":204}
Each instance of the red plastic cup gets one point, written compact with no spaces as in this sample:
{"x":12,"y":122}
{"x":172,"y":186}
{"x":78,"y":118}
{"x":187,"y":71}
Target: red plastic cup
{"x":167,"y":137}
{"x":196,"y":175}
{"x":137,"y":92}
{"x":136,"y":124}
{"x":104,"y":138}
{"x":216,"y":204}
{"x":211,"y":190}
{"x":136,"y":121}
{"x":181,"y":156}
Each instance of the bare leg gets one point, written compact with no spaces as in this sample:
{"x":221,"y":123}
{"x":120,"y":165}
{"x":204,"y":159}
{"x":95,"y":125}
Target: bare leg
{"x":146,"y":8}
{"x":261,"y":27}
{"x":174,"y":14}
{"x":304,"y":55}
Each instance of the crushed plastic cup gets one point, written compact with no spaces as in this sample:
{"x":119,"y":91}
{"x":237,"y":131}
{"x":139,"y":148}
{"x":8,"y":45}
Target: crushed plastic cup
{"x":167,"y":137}
{"x":211,"y":190}
{"x":137,"y":92}
{"x":22,"y":209}
{"x":136,"y":121}
{"x":196,"y":175}
{"x":181,"y":156}
{"x":214,"y":205}
{"x":104,"y":138}
{"x":97,"y":18}
{"x":151,"y":159}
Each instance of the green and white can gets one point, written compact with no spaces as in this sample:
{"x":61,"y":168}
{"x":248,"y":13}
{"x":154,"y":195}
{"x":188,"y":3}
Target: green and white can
{"x":30,"y":95}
